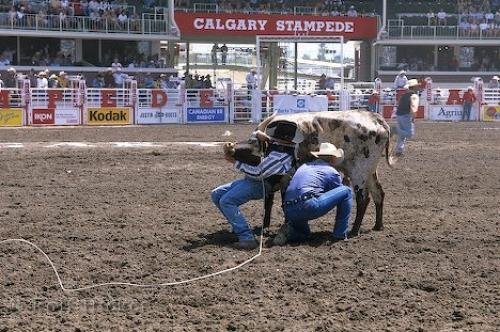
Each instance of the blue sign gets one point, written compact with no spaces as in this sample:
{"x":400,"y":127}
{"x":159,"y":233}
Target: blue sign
{"x":301,"y":103}
{"x":214,"y":114}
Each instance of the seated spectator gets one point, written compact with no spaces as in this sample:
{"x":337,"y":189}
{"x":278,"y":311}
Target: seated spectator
{"x":441,"y":17}
{"x":401,"y":80}
{"x":494,"y":83}
{"x":42,"y":82}
{"x":53,"y":81}
{"x":63,"y":81}
{"x":98,"y":81}
{"x":352,"y":12}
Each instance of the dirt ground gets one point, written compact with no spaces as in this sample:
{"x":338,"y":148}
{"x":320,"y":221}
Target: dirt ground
{"x":144,"y":215}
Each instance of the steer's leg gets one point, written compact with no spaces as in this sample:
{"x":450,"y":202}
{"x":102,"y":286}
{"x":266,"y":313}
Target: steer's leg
{"x":378,"y":195}
{"x":362,"y":200}
{"x":268,"y":206}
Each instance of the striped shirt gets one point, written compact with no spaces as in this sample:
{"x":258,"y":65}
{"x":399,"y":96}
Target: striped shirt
{"x":275,"y":163}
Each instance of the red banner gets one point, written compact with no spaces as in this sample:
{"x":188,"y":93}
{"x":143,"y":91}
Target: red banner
{"x":248,"y":25}
{"x":43,"y":116}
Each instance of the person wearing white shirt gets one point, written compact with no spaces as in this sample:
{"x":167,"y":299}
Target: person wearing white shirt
{"x":41,"y":81}
{"x":441,"y":15}
{"x":119,"y":77}
{"x":352,"y":12}
{"x":401,"y":80}
{"x":116,"y":64}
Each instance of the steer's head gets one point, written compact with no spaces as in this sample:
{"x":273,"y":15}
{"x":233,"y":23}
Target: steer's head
{"x":248,"y":151}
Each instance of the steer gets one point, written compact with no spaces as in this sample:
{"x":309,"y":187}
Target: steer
{"x":364,"y":137}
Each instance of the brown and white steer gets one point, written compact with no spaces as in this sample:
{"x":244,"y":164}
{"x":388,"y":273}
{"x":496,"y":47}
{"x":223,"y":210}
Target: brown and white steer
{"x":364,"y":136}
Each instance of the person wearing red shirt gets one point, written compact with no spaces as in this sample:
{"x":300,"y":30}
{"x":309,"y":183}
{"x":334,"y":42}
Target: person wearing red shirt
{"x":469,"y":98}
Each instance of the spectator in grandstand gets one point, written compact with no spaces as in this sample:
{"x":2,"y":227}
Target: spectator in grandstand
{"x":11,"y":78}
{"x":223,"y":51}
{"x":322,"y":82}
{"x":401,"y":80}
{"x":109,"y":80}
{"x":4,"y":61}
{"x":251,"y":79}
{"x":441,"y":17}
{"x":405,"y":115}
{"x":352,"y":12}
{"x":1,"y":83}
{"x":207,"y":83}
{"x":116,"y":63}
{"x":42,"y":82}
{"x":229,"y":197}
{"x":119,"y":77}
{"x":98,"y":81}
{"x":494,"y":83}
{"x":52,"y":81}
{"x":315,"y":189}
{"x":469,"y":98}
{"x":63,"y":81}
{"x":32,"y":77}
{"x":149,"y":82}
{"x":215,"y":49}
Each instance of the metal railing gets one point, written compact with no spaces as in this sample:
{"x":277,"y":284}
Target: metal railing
{"x":86,"y":24}
{"x":439,"y":32}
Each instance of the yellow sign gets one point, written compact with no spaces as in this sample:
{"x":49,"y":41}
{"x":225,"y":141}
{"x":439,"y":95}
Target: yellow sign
{"x":108,"y":116}
{"x":491,"y":113}
{"x":11,"y":117}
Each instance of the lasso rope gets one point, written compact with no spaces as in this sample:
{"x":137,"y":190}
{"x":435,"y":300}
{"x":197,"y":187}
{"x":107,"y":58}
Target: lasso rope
{"x":131,"y":284}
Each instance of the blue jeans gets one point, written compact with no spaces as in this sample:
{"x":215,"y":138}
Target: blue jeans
{"x":406,"y":130}
{"x":466,"y":111}
{"x":228,"y":199}
{"x":300,"y":213}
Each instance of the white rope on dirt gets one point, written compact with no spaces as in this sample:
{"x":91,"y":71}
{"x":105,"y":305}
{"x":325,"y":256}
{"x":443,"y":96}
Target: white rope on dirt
{"x":131,"y":284}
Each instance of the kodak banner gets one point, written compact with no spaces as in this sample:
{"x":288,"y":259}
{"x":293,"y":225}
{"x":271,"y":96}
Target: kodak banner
{"x":11,"y":117}
{"x":108,"y":116}
{"x":491,"y":113}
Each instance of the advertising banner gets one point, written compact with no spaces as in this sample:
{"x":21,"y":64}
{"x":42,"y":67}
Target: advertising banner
{"x":11,"y":117}
{"x":446,"y":112}
{"x":157,"y":116}
{"x":490,"y":113}
{"x":251,"y":25}
{"x":206,"y":115}
{"x":300,"y":103}
{"x":108,"y":116}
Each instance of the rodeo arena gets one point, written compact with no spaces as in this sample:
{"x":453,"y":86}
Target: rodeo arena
{"x":250,"y":165}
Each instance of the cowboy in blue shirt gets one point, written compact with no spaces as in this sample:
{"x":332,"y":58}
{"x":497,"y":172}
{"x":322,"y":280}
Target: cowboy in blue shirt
{"x":279,"y":160}
{"x":315,"y":189}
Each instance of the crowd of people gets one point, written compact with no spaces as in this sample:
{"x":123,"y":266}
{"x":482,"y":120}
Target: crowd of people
{"x":321,"y":7}
{"x":114,"y":15}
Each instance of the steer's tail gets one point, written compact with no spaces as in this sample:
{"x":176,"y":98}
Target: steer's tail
{"x":389,"y":157}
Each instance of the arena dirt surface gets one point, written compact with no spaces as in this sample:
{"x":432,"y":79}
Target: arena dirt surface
{"x":144,"y":215}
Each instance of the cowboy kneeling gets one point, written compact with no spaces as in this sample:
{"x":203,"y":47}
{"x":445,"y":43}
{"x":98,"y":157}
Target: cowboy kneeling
{"x":315,"y":189}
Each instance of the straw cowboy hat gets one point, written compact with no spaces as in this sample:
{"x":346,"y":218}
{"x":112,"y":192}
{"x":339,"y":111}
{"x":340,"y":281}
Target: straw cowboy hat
{"x":411,"y":83}
{"x":328,"y":149}
{"x":495,"y":78}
